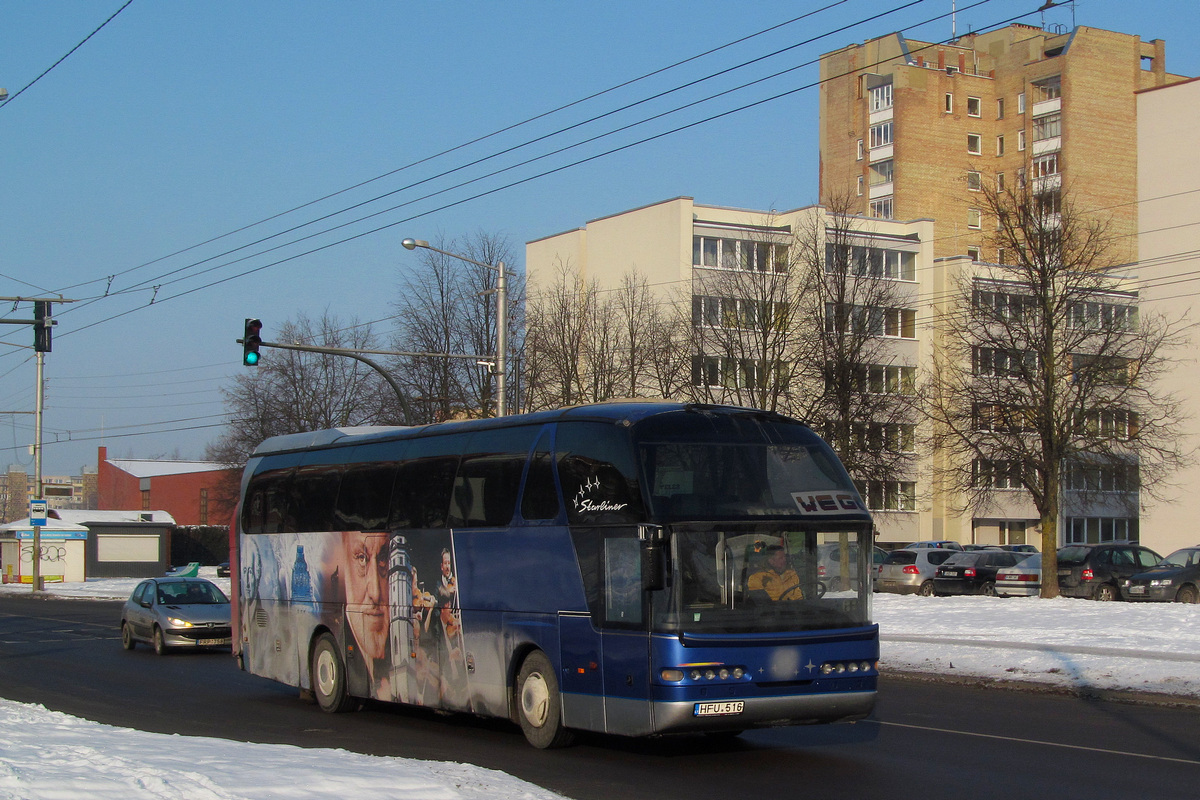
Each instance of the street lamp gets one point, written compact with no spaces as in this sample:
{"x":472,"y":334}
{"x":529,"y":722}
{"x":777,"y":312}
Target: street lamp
{"x":499,"y":369}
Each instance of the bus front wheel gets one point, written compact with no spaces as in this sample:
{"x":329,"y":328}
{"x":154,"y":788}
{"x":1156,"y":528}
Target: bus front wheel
{"x":539,"y":704}
{"x":329,"y":676}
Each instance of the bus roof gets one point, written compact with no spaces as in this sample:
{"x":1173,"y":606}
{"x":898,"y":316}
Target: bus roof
{"x":612,"y":411}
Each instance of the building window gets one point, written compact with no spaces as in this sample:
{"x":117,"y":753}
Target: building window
{"x":1000,"y":108}
{"x":974,"y":218}
{"x":860,"y":185}
{"x":1102,"y":316}
{"x":204,"y":506}
{"x":889,"y":495}
{"x":1000,"y":255}
{"x":896,"y":323}
{"x":145,"y":499}
{"x":991,"y":362}
{"x":736,"y":254}
{"x":999,"y":145}
{"x":974,"y":181}
{"x":736,"y":373}
{"x":1093,"y":530}
{"x":1048,"y":203}
{"x":881,"y":97}
{"x":974,"y":144}
{"x":974,"y":107}
{"x":1000,"y":183}
{"x":881,"y":208}
{"x":1048,"y":89}
{"x":881,"y":172}
{"x":1021,"y":140}
{"x":873,"y":261}
{"x":859,"y":150}
{"x":1020,"y":177}
{"x":1021,"y":103}
{"x":881,"y":134}
{"x":949,"y":105}
{"x":973,"y":253}
{"x":996,"y":474}
{"x":1047,"y":127}
{"x":1045,"y":166}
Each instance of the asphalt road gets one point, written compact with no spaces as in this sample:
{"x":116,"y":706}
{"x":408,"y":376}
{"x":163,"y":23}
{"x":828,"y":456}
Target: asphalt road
{"x":931,"y":740}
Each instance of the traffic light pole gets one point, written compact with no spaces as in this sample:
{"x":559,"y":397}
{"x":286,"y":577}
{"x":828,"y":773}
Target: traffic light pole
{"x":37,"y":469}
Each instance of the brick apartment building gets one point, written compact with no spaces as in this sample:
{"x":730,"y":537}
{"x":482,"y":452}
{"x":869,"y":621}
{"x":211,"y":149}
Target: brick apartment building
{"x":910,"y":129}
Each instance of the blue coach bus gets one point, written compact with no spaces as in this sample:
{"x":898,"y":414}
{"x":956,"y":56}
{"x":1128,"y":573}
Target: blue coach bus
{"x":636,"y":568}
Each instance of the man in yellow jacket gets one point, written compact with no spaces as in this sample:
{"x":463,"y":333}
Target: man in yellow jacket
{"x":778,"y":581}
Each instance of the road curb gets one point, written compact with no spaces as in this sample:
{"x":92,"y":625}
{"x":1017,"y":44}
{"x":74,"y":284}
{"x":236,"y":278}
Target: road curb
{"x":1081,"y":692}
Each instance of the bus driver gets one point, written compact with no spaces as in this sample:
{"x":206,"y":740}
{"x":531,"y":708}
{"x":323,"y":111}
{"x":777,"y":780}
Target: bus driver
{"x":777,"y":580}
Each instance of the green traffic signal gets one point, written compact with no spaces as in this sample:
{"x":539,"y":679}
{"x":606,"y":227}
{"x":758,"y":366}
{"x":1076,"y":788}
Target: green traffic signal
{"x":250,"y":342}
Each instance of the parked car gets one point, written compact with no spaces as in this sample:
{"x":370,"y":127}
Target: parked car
{"x":911,"y":571}
{"x":934,"y":543}
{"x":176,"y":612}
{"x":1176,"y":577}
{"x":1096,"y":570}
{"x":1022,"y":580}
{"x":223,"y":569}
{"x":972,"y":572}
{"x":1021,"y":548}
{"x":829,"y":564}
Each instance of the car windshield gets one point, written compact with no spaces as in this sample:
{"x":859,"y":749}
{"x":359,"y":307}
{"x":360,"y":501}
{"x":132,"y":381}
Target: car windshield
{"x":185,"y":594}
{"x":1073,"y":555}
{"x":1181,"y":558}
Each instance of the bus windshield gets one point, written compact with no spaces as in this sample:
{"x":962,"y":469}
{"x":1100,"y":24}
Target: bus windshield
{"x":772,"y":577}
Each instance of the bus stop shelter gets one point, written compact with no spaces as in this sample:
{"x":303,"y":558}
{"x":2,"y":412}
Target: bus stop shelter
{"x":63,"y":552}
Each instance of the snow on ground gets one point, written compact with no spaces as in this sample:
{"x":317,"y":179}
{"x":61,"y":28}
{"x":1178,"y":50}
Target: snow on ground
{"x":1071,"y":644}
{"x":46,"y":755}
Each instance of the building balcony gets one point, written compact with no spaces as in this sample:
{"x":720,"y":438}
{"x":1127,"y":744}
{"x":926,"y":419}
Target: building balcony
{"x":1051,"y":145}
{"x":1047,"y":106}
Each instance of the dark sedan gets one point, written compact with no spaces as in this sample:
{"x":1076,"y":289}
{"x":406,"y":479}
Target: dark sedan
{"x":176,"y":612}
{"x":973,"y":571}
{"x":1177,"y":577}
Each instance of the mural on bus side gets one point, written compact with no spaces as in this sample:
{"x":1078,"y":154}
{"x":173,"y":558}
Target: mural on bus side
{"x":393,"y":596}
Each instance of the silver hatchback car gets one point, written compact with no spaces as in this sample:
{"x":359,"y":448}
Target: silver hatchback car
{"x":176,"y":612}
{"x":911,"y":571}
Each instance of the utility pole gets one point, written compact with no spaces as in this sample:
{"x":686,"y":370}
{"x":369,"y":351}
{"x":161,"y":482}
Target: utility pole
{"x":43,"y":324}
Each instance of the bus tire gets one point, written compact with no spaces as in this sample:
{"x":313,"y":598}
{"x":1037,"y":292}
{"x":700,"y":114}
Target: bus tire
{"x":328,"y":675}
{"x":539,"y":704}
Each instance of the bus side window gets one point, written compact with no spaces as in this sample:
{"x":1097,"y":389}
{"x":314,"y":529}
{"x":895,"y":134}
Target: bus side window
{"x":485,"y":490}
{"x":266,"y":501}
{"x":598,"y":473}
{"x":365,"y":497}
{"x":313,"y":492}
{"x":540,"y":500}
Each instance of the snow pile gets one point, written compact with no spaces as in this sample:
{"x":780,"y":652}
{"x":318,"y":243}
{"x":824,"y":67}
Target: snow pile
{"x":48,"y":756}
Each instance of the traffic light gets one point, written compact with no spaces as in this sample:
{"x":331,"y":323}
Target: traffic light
{"x":250,"y":342}
{"x":41,"y":326}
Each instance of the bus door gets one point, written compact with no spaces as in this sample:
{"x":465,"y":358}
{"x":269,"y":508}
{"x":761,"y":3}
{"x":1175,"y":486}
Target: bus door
{"x":606,"y":652}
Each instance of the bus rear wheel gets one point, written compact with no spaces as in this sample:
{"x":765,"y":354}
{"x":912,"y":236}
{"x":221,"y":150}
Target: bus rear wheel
{"x":329,"y":676}
{"x":539,"y":704}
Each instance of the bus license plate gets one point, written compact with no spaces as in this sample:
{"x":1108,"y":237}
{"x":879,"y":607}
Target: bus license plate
{"x":212,"y":642}
{"x":719,"y":709}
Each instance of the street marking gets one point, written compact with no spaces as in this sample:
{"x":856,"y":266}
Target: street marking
{"x":1019,"y":740}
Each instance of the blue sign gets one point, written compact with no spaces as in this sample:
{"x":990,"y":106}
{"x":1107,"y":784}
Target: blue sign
{"x":37,"y":513}
{"x":51,"y":533}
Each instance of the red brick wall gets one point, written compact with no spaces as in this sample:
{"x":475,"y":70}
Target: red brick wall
{"x":178,"y":495}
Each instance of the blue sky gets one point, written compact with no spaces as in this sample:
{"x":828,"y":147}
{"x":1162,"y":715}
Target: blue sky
{"x":178,"y":122}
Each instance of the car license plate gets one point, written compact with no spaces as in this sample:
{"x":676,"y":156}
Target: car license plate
{"x":719,"y":709}
{"x":1137,"y":589}
{"x":1062,"y":573}
{"x":212,"y":642}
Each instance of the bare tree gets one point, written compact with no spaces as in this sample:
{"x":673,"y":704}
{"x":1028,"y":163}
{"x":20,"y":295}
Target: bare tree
{"x":291,"y":391}
{"x":855,"y":305}
{"x":1047,"y":380}
{"x":448,"y":307}
{"x":556,"y":338}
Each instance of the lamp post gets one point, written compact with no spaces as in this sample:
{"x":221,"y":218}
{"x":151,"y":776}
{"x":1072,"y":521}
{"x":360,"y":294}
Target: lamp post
{"x":500,"y":367}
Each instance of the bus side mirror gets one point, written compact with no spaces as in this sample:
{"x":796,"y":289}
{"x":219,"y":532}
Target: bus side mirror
{"x":654,"y":561}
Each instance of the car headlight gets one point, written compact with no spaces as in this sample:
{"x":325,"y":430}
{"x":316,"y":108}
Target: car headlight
{"x":175,"y":622}
{"x":1161,"y":582}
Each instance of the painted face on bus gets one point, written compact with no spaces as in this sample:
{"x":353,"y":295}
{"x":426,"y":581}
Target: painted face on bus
{"x":445,"y":563}
{"x":366,"y":565}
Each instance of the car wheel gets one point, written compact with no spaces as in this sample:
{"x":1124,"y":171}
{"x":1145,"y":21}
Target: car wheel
{"x":329,"y":676}
{"x":1105,"y":592}
{"x":988,"y":589}
{"x":127,"y":640}
{"x":926,"y":589}
{"x":160,"y":642}
{"x":539,"y":704}
{"x":1187,"y":594}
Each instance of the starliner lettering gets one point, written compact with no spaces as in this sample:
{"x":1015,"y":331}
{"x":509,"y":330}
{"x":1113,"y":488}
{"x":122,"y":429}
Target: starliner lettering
{"x":603,"y":505}
{"x":826,"y":503}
